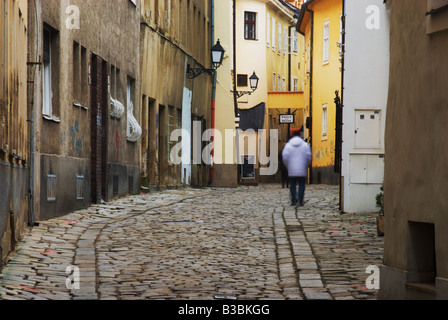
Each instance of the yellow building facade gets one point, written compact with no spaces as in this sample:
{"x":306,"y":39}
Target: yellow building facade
{"x":320,"y":23}
{"x":284,"y":64}
{"x":260,"y":26}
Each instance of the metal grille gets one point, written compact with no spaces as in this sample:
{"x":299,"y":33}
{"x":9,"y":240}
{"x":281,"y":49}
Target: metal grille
{"x":79,"y":187}
{"x":51,"y":187}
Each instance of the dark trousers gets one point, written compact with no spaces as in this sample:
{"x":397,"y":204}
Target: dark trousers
{"x":297,"y":197}
{"x":285,"y":178}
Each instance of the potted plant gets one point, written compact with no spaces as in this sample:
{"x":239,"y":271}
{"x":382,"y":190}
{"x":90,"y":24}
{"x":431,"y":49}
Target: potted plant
{"x":380,"y":218}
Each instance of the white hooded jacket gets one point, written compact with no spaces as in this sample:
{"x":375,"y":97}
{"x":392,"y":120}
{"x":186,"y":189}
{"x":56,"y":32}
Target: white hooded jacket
{"x":297,"y":157}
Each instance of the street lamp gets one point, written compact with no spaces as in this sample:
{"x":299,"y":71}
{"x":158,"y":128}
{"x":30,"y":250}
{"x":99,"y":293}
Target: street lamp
{"x":253,"y":81}
{"x":217,"y":57}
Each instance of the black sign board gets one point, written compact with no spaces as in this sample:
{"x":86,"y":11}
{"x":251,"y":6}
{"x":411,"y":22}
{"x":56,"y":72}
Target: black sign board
{"x":248,"y":167}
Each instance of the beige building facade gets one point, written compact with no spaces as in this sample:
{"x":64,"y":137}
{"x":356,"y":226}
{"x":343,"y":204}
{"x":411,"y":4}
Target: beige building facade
{"x":259,"y":38}
{"x":175,"y":36}
{"x":14,"y":128}
{"x":85,"y":103}
{"x":415,"y":264}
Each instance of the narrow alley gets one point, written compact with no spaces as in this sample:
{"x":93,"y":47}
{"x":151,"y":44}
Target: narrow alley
{"x":246,"y":243}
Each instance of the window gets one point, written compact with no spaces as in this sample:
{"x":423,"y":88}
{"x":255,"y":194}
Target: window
{"x":250,"y":20}
{"x":285,"y":41}
{"x":76,"y":72}
{"x":273,"y":33}
{"x":436,"y":16}
{"x":279,"y":83}
{"x":268,"y":30}
{"x":84,"y":78}
{"x":50,"y":76}
{"x":324,"y":121}
{"x":295,"y":41}
{"x":279,"y":47}
{"x":283,"y":84}
{"x":295,"y":83}
{"x":241,"y":80}
{"x":133,"y":129}
{"x":171,"y":128}
{"x":326,"y":46}
{"x":273,"y":81}
{"x":179,"y":119}
{"x":47,"y":107}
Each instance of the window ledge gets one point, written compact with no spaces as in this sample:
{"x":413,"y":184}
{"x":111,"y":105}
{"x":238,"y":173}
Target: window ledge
{"x":51,"y":118}
{"x":79,"y":105}
{"x":434,"y":11}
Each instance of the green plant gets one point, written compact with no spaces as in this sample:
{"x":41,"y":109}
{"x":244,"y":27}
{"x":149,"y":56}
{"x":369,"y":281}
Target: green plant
{"x":380,"y":200}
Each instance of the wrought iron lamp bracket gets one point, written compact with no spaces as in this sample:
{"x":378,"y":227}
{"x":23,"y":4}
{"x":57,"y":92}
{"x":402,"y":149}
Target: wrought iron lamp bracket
{"x":196,"y":72}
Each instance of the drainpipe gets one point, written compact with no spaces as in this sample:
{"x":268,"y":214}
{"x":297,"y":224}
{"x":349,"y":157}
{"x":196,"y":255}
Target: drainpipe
{"x":341,"y":207}
{"x":31,"y":220}
{"x":235,"y":97}
{"x":311,"y":83}
{"x":215,"y":76}
{"x":289,"y":77}
{"x":31,"y":195}
{"x":289,"y":68}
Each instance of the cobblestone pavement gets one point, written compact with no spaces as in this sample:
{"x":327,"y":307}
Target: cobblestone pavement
{"x":246,"y":243}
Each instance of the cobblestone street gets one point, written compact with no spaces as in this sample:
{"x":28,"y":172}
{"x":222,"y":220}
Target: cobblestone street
{"x":202,"y":244}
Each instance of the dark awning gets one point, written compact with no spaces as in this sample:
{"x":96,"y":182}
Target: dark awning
{"x":253,"y":118}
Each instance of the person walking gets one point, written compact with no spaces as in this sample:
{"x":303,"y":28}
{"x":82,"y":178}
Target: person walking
{"x":297,"y":158}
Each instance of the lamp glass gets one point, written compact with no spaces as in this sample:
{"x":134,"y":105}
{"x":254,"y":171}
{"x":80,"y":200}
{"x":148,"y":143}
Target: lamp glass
{"x":253,"y":82}
{"x":217,"y":54}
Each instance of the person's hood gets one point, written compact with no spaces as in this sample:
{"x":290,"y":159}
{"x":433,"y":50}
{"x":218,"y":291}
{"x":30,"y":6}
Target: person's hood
{"x":296,"y":142}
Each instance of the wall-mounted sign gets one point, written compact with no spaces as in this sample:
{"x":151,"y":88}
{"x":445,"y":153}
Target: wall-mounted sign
{"x":286,"y":119}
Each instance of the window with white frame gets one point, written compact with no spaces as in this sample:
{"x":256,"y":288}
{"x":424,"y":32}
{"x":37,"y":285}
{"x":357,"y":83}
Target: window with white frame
{"x":326,"y":44}
{"x":285,"y":41}
{"x":283,"y":84}
{"x":268,"y":29}
{"x":324,"y":121}
{"x":295,"y":84}
{"x":47,"y":109}
{"x":274,"y":24}
{"x":273,"y":81}
{"x":279,"y":83}
{"x":295,"y":41}
{"x":50,"y":89}
{"x":279,"y":47}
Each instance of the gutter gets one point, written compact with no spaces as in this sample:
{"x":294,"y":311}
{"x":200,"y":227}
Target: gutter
{"x":301,"y":17}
